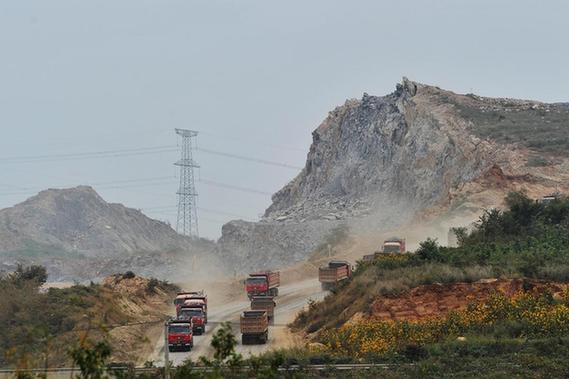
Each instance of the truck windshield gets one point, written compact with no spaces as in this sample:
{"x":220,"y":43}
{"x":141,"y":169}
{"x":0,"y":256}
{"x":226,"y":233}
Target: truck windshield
{"x":179,"y":329}
{"x":256,"y":281}
{"x":189,"y":313}
{"x":391,"y":249}
{"x":179,"y":300}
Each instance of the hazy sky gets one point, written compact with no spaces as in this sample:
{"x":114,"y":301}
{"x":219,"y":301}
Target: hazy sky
{"x":254,"y":77}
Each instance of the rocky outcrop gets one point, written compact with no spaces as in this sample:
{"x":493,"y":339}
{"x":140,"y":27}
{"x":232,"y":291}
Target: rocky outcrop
{"x":376,"y":162}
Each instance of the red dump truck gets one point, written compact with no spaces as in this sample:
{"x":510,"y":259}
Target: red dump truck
{"x":181,"y":297}
{"x":197,"y":303}
{"x":180,"y":335}
{"x":263,"y":284}
{"x":264,"y":303}
{"x":333,"y":273}
{"x":194,"y":314}
{"x":254,"y":327}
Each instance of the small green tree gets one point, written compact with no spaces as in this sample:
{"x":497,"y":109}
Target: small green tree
{"x":429,"y":250}
{"x":224,"y":342}
{"x":91,"y":358}
{"x":461,"y":234}
{"x":35,"y":274}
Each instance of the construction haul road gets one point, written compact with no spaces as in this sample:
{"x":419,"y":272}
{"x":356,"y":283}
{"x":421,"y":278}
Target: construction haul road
{"x":292,"y":298}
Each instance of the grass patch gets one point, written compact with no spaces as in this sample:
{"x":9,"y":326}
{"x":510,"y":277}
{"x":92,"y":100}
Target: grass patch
{"x":544,"y":129}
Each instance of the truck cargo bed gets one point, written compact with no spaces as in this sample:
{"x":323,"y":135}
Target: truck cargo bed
{"x":254,"y":322}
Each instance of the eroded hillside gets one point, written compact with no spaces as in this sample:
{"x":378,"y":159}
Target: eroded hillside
{"x":34,"y":321}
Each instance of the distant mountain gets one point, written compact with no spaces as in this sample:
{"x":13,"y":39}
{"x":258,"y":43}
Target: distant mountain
{"x":66,"y":228}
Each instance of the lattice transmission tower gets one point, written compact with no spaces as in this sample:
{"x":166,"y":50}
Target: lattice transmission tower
{"x":187,"y":222}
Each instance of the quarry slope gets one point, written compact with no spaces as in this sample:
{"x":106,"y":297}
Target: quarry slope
{"x":416,"y":155}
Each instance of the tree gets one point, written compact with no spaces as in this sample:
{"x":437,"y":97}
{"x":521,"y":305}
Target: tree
{"x":35,"y":274}
{"x":429,"y":250}
{"x":91,"y":358}
{"x":224,"y":342}
{"x":461,"y":234}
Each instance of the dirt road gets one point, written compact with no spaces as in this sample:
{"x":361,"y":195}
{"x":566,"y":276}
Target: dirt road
{"x":292,"y":298}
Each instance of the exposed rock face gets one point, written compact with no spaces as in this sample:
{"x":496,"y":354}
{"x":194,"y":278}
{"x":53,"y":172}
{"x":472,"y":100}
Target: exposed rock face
{"x":376,"y":162}
{"x":79,"y":236}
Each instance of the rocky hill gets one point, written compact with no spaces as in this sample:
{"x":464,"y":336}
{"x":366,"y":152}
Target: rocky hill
{"x":382,"y":161}
{"x":80,"y":236}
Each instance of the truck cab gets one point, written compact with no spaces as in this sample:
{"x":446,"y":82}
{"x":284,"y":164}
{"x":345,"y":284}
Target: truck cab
{"x":394,"y":246}
{"x":196,"y":316}
{"x":196,"y":303}
{"x":180,"y":335}
{"x":262,"y":283}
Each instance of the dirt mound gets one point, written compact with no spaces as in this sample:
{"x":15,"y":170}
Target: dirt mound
{"x":438,"y":299}
{"x":133,"y":310}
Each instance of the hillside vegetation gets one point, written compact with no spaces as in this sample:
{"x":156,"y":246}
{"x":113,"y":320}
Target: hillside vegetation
{"x":38,"y":327}
{"x":538,"y":126}
{"x":529,"y":239}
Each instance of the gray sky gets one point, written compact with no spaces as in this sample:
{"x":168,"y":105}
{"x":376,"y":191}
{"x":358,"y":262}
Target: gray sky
{"x":254,"y":77}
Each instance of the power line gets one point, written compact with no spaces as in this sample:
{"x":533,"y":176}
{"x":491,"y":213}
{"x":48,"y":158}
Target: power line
{"x":233,"y":187}
{"x":135,"y":152}
{"x":143,"y":182}
{"x":136,"y":183}
{"x":89,"y":155}
{"x":248,"y":159}
{"x":127,"y":183}
{"x":201,"y":209}
{"x":248,"y":139}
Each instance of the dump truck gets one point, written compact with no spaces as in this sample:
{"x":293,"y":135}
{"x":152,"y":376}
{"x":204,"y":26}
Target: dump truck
{"x":180,"y":335}
{"x":254,"y":327}
{"x":263,"y":284}
{"x":333,"y":273}
{"x":196,"y":303}
{"x":393,"y":246}
{"x":264,"y":303}
{"x":550,"y":198}
{"x":181,"y":297}
{"x":195,"y":315}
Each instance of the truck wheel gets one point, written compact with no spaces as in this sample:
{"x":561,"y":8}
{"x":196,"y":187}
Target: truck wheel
{"x":243,"y":340}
